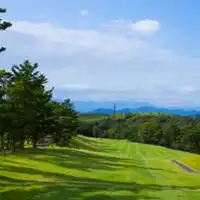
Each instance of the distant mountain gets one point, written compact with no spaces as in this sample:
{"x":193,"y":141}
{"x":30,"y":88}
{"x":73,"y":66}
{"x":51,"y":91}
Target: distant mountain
{"x":102,"y":111}
{"x":106,"y":107}
{"x":86,"y":106}
{"x":148,"y":109}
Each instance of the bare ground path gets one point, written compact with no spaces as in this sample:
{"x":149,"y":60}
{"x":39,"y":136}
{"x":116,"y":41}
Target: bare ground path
{"x":185,"y":167}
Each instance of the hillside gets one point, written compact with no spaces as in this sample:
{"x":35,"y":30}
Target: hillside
{"x":94,"y":169}
{"x":92,"y":117}
{"x":172,"y":131}
{"x":106,"y":107}
{"x":148,"y":109}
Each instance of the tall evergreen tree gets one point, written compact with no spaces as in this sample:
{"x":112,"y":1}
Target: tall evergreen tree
{"x":29,"y":101}
{"x":3,"y":26}
{"x":5,"y":80}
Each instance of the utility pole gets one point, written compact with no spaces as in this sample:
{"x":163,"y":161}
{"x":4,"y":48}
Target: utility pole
{"x":114,"y":111}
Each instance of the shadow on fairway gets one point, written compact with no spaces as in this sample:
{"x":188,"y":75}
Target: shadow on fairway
{"x":72,"y":158}
{"x":70,"y":187}
{"x":62,"y":186}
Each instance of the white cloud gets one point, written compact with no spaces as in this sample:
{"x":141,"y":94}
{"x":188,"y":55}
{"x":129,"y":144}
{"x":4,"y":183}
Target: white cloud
{"x":84,"y":12}
{"x":188,"y":89}
{"x":100,"y":64}
{"x":146,"y":26}
{"x":75,"y":87}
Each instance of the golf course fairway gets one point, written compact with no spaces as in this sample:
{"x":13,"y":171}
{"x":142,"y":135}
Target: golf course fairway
{"x":100,"y":169}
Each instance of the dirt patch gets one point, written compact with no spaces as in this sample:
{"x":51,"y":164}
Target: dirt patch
{"x":185,"y":167}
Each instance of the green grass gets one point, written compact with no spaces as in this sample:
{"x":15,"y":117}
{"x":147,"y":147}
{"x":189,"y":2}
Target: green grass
{"x":192,"y":161}
{"x":97,"y":169}
{"x":90,"y":117}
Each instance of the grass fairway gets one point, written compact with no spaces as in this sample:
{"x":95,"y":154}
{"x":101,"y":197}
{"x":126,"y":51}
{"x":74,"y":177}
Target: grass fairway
{"x":99,"y":169}
{"x":92,"y":117}
{"x":192,"y":161}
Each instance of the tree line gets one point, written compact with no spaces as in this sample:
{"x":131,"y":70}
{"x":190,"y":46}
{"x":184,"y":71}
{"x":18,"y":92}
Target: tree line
{"x":171,"y":131}
{"x":27,"y":111}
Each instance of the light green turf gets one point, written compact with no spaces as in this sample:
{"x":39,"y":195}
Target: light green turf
{"x":101,"y":169}
{"x":93,"y":117}
{"x":192,"y":161}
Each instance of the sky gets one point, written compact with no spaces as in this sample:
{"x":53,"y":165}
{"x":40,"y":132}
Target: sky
{"x":144,"y":50}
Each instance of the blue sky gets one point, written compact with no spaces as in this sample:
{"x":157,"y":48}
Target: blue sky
{"x":110,"y":50}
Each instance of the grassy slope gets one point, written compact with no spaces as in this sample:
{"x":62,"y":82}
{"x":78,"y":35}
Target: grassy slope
{"x":101,"y":169}
{"x":93,"y":117}
{"x":192,"y":161}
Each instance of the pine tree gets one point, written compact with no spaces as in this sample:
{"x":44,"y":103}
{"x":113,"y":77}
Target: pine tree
{"x":29,"y":101}
{"x":3,"y":26}
{"x":27,"y":112}
{"x":5,"y":80}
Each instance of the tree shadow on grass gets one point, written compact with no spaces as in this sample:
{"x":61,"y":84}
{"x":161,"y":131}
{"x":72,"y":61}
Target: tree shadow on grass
{"x":97,"y":145}
{"x":66,"y":193}
{"x":87,"y":144}
{"x":9,"y":182}
{"x":69,"y":158}
{"x":70,"y":187}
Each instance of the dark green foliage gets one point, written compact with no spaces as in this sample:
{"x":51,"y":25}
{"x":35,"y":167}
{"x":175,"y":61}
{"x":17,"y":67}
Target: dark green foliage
{"x":3,"y":26}
{"x":175,"y":132}
{"x":27,"y":112}
{"x":64,"y":122}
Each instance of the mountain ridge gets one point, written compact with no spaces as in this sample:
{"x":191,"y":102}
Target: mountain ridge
{"x":123,"y":106}
{"x":148,"y":109}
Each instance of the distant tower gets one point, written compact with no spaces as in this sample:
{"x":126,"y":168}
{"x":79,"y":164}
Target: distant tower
{"x":114,"y":111}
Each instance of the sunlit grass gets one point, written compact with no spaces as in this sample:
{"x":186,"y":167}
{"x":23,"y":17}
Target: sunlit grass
{"x":93,"y":169}
{"x":192,"y":161}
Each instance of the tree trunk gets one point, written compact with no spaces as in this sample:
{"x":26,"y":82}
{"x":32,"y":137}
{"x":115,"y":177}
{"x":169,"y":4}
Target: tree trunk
{"x":13,"y":145}
{"x":35,"y":139}
{"x":58,"y":137}
{"x":28,"y":141}
{"x":34,"y":143}
{"x":2,"y":141}
{"x":22,"y":143}
{"x":8,"y":142}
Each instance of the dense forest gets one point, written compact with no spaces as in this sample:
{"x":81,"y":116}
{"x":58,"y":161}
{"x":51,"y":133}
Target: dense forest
{"x":177,"y":132}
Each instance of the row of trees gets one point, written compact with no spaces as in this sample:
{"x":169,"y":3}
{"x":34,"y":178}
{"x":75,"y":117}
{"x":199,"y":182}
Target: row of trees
{"x":170,"y":131}
{"x":27,"y":112}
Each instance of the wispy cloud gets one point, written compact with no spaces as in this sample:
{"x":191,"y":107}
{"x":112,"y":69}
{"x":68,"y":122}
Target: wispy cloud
{"x":84,"y":12}
{"x":146,"y":26}
{"x":103,"y":64}
{"x":187,"y":89}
